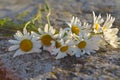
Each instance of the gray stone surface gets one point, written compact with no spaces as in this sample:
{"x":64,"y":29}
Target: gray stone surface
{"x":104,"y":65}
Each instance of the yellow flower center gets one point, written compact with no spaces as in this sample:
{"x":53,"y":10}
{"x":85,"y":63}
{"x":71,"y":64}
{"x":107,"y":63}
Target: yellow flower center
{"x":82,"y":44}
{"x":46,"y":40}
{"x":97,"y":26}
{"x":75,"y":29}
{"x":57,"y":44}
{"x":64,"y":48}
{"x":26,"y":45}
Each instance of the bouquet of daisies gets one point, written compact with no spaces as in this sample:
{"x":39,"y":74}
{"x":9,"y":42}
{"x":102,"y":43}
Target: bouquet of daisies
{"x":76,"y":40}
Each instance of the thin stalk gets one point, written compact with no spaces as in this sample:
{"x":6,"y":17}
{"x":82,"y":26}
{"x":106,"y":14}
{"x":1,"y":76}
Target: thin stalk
{"x":48,"y":19}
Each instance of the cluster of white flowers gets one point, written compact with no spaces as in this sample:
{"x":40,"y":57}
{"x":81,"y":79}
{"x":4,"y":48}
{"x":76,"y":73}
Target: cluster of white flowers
{"x":76,"y":40}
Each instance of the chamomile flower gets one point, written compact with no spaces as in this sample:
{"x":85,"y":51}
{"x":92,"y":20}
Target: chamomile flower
{"x":109,"y":33}
{"x":57,"y":37}
{"x":24,"y":43}
{"x":46,"y":36}
{"x":84,"y":44}
{"x":62,"y":49}
{"x":97,"y":21}
{"x":74,"y":26}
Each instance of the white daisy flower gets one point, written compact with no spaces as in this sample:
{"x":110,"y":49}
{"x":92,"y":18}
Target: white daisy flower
{"x":46,"y":36}
{"x":84,"y":44}
{"x":74,"y":26}
{"x":24,"y":43}
{"x":97,"y":21}
{"x":86,"y":29}
{"x":62,"y":48}
{"x":110,"y":34}
{"x":57,"y":37}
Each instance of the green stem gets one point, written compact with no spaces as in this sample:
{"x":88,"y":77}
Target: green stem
{"x":32,"y":21}
{"x":27,"y":23}
{"x":48,"y":19}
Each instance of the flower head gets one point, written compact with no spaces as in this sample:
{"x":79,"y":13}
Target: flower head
{"x":110,"y":36}
{"x":84,"y":44}
{"x":78,"y":39}
{"x":74,"y":26}
{"x":109,"y":33}
{"x":97,"y":21}
{"x":46,"y":36}
{"x":62,"y":48}
{"x":24,"y":43}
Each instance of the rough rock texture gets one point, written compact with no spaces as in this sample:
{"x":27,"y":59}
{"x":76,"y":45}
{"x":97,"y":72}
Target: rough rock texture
{"x":104,"y":65}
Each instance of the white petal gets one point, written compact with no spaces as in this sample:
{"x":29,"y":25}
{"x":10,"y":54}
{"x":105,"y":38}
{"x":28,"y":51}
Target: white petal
{"x":17,"y":37}
{"x":54,"y":51}
{"x":40,"y":31}
{"x":19,"y":34}
{"x":77,"y":54}
{"x":88,"y":53}
{"x":14,"y":41}
{"x":18,"y":52}
{"x":69,"y":24}
{"x":37,"y":45}
{"x":76,"y":20}
{"x":56,"y":36}
{"x":83,"y":52}
{"x":45,"y":48}
{"x":28,"y":36}
{"x":67,"y":29}
{"x":62,"y":32}
{"x":94,"y":17}
{"x":25,"y":31}
{"x":46,"y":28}
{"x":34,"y":34}
{"x":61,"y":55}
{"x":34,"y":39}
{"x":114,"y":44}
{"x":53,"y":31}
{"x":115,"y":30}
{"x":36,"y":50}
{"x":14,"y":47}
{"x":72,"y":21}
